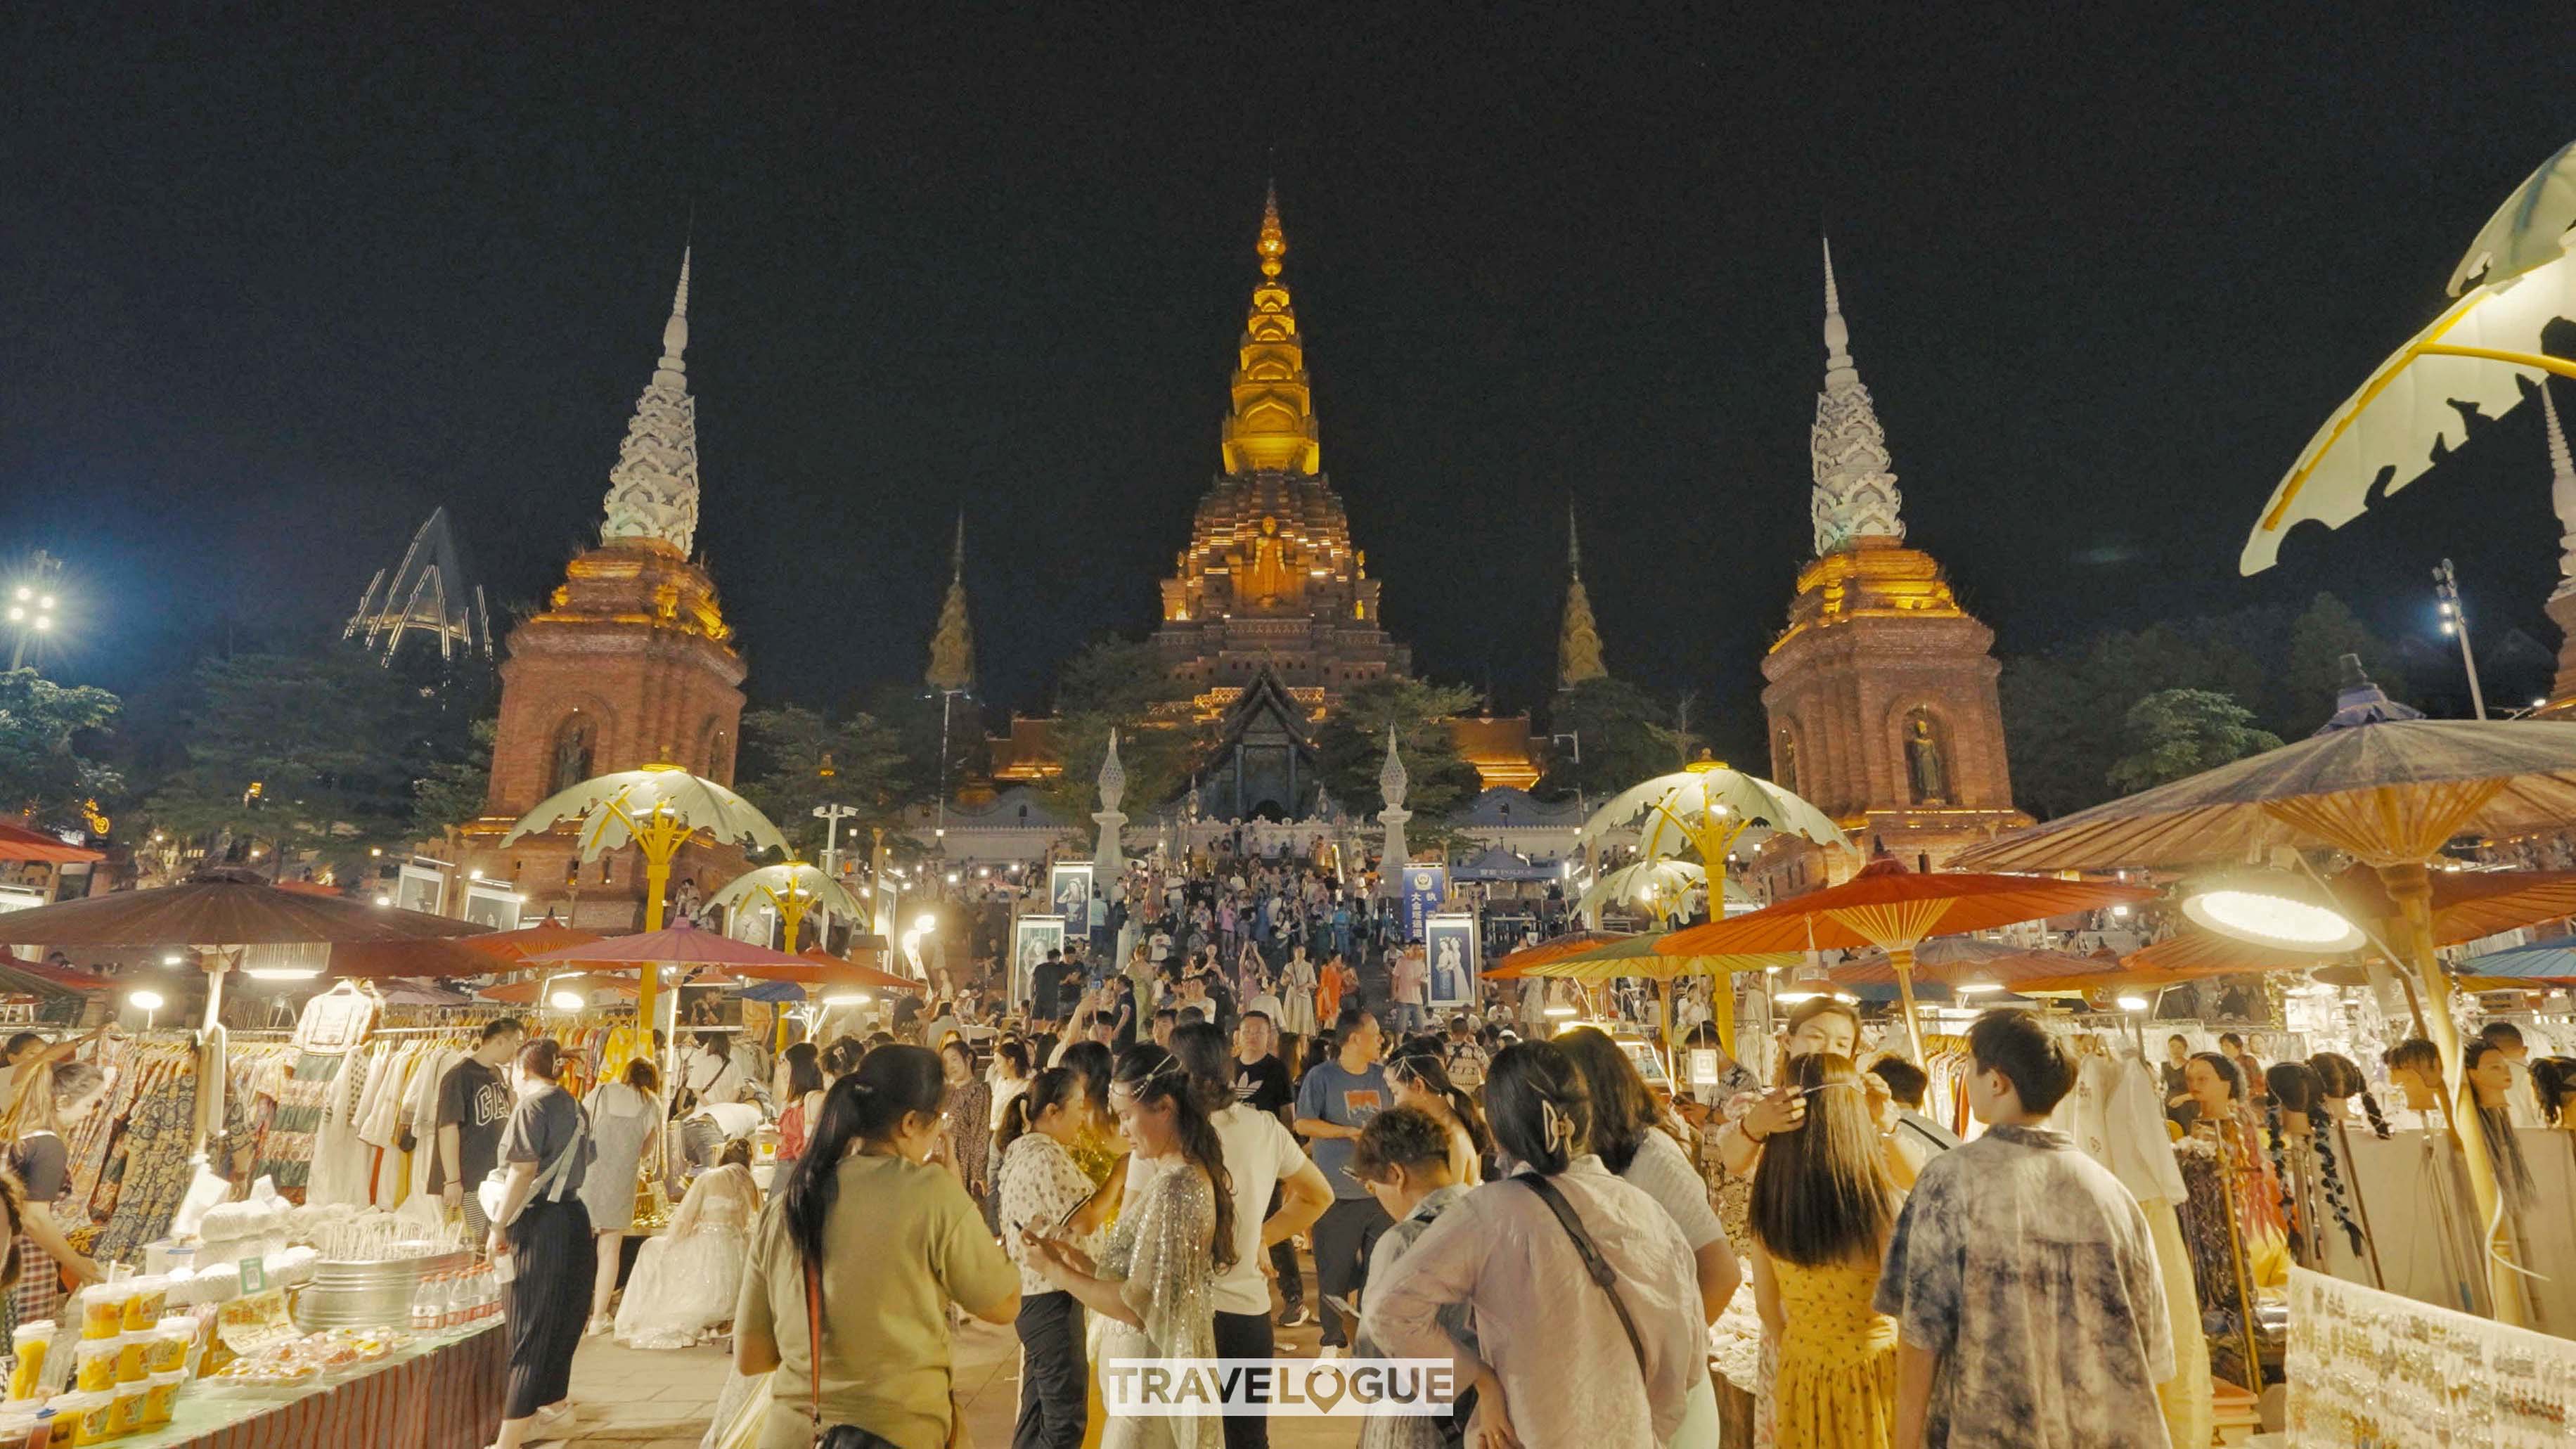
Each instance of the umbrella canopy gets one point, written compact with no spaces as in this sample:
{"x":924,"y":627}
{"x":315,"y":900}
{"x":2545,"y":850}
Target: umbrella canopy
{"x":421,"y":993}
{"x":1640,"y":955}
{"x":681,"y":945}
{"x":836,"y":972}
{"x":610,"y":806}
{"x":17,"y":842}
{"x":1519,"y":962}
{"x":773,"y":883}
{"x":1889,"y":905}
{"x":1680,"y":811}
{"x":524,"y":991}
{"x":1657,"y":885}
{"x":223,"y":908}
{"x":1954,"y":961}
{"x":2541,"y":960}
{"x":425,"y":957}
{"x":2192,"y":956}
{"x":2470,"y":904}
{"x":514,"y":947}
{"x":2391,"y":792}
{"x":22,"y":977}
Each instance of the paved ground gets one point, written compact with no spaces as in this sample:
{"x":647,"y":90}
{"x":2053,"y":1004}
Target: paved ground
{"x":631,"y":1399}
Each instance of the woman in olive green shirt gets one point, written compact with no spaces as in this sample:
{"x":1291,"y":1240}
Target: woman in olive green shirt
{"x":875,"y":1204}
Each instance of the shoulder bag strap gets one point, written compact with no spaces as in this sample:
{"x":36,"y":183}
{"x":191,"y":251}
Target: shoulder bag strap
{"x":1593,"y":1263}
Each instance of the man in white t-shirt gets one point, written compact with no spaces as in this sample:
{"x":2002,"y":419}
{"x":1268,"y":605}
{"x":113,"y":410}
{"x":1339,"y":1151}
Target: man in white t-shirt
{"x":712,"y":1075}
{"x":1260,"y":1153}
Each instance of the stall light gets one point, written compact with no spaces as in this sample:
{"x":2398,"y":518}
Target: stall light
{"x":1979,"y":983}
{"x":2271,"y":908}
{"x":282,"y":973}
{"x":846,"y":998}
{"x":1809,"y":981}
{"x":567,"y":1001}
{"x":174,"y":959}
{"x":2133,"y":1003}
{"x":952,"y":877}
{"x":926,"y":925}
{"x":144,"y":1000}
{"x":1560,"y":1011}
{"x":384,"y":900}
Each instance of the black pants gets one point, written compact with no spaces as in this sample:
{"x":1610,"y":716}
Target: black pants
{"x":1283,"y":1257}
{"x":556,"y":1259}
{"x":1055,"y":1383}
{"x":1244,"y":1335}
{"x":1343,"y":1237}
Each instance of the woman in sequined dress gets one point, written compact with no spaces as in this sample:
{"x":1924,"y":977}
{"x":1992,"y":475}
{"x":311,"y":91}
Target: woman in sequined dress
{"x":1156,"y":1275}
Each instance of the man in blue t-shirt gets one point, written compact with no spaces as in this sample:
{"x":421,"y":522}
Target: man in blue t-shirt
{"x":1335,"y":1101}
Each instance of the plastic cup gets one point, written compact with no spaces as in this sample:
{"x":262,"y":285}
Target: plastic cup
{"x":94,"y":1364}
{"x":81,"y":1418}
{"x":160,"y":1398}
{"x":143,"y":1309}
{"x":130,"y":1351}
{"x":167,"y":1347}
{"x":102,"y":1311}
{"x":30,"y":1342}
{"x":125,"y":1408}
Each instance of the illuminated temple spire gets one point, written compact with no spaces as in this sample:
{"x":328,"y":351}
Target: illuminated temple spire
{"x":1272,"y":426}
{"x":1855,"y":493}
{"x":653,"y":490}
{"x":1578,"y":646}
{"x":952,"y":649}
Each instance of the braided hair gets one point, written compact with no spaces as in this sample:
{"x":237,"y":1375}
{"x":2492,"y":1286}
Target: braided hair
{"x":2280,"y":1167}
{"x":2301,"y":1087}
{"x":2339,"y":1077}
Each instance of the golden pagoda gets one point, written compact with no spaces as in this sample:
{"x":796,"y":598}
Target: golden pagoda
{"x":1270,"y":578}
{"x":1578,"y":644}
{"x":952,"y":648}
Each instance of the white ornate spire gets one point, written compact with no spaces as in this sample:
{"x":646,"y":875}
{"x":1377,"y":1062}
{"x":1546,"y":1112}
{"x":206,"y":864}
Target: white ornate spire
{"x":653,"y":490}
{"x":2562,"y":493}
{"x":1392,"y":782}
{"x":1855,"y":491}
{"x":1113,"y":776}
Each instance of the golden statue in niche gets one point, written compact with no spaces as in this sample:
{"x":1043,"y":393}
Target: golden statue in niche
{"x":1271,"y":578}
{"x":1925,"y":770}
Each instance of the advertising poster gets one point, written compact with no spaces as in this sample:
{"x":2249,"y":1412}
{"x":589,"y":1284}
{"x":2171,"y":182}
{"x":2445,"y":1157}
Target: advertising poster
{"x":1032,"y":940}
{"x":1426,"y":889}
{"x":1450,"y":940}
{"x":1069,"y":892}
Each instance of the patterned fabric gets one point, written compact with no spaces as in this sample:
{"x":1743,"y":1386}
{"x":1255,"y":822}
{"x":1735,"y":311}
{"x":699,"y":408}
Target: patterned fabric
{"x":1160,"y":1255}
{"x":1041,"y":1186}
{"x":39,"y":1294}
{"x":154,"y":1171}
{"x":970,"y":1132}
{"x":1837,"y":1378}
{"x":2030,"y":1271}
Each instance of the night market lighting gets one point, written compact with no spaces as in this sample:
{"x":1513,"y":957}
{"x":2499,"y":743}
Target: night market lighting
{"x":2271,"y":908}
{"x":144,"y":1000}
{"x":846,"y":998}
{"x":2133,"y":1003}
{"x":174,"y":959}
{"x":926,"y":925}
{"x":282,"y":973}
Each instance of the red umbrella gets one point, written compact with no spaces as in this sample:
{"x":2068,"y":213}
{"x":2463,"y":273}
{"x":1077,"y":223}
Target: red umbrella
{"x":682,"y":945}
{"x":17,"y":842}
{"x":1889,"y":906}
{"x":515,"y":947}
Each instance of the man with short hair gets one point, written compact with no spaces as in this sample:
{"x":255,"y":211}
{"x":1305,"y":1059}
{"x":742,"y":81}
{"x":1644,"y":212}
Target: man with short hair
{"x":1336,"y":1100}
{"x":1261,"y":1084}
{"x":1464,"y":1056}
{"x":2022,"y":1276}
{"x":1916,"y":1138}
{"x":474,"y":1102}
{"x":1044,"y":982}
{"x":1410,"y":979}
{"x":1164,"y":1021}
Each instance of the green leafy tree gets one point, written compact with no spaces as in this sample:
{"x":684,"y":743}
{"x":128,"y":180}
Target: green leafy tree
{"x":2318,"y":641}
{"x":49,"y":734}
{"x":317,"y":754}
{"x":1124,"y":685}
{"x":2173,"y":734}
{"x":1352,"y":744}
{"x":1626,"y":735}
{"x":920,"y":720}
{"x":454,"y":790}
{"x":795,"y":759}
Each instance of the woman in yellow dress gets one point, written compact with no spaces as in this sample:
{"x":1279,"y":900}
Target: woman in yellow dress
{"x":1823,"y":1205}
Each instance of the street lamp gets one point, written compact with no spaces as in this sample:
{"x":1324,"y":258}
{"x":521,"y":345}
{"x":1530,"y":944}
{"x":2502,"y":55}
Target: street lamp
{"x":947,"y":704}
{"x":832,"y":815}
{"x":32,"y":605}
{"x":2455,"y":622}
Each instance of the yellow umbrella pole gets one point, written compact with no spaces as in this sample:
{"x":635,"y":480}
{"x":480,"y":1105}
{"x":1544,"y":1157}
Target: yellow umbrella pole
{"x":1902,"y":958}
{"x":2412,"y":890}
{"x":660,"y":837}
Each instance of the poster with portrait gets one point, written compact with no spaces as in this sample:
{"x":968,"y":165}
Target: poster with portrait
{"x":707,"y":1008}
{"x":1069,"y":892}
{"x":1449,"y":939}
{"x":1031,"y":940}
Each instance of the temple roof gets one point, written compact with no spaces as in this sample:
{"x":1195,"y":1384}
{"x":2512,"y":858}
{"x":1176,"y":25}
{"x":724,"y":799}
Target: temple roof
{"x":653,"y":490}
{"x":1272,"y":424}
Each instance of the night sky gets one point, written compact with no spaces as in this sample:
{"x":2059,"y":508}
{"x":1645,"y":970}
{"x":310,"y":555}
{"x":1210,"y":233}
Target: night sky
{"x":273,"y":294}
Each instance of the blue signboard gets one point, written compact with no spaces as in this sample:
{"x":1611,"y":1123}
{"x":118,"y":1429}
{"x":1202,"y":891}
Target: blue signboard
{"x":1426,"y":889}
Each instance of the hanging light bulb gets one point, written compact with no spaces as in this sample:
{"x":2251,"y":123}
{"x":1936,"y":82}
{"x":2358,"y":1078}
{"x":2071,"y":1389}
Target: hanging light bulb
{"x":2271,"y":908}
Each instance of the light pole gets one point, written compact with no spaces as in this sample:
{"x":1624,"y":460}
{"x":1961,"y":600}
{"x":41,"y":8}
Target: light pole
{"x":2455,"y":622}
{"x":947,"y":703}
{"x":32,"y":604}
{"x":1581,"y":807}
{"x":832,"y":815}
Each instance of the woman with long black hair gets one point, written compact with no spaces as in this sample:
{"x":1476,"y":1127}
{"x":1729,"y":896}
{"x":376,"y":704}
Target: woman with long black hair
{"x":873,"y":1238}
{"x":1560,"y":1357}
{"x":1823,"y":1207}
{"x":1155,"y":1279}
{"x":547,"y":1149}
{"x":1421,"y":1081}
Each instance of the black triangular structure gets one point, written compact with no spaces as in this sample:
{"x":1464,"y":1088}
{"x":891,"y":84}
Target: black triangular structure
{"x":1264,"y":764}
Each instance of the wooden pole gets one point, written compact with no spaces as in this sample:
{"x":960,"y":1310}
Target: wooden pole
{"x":1902,"y":958}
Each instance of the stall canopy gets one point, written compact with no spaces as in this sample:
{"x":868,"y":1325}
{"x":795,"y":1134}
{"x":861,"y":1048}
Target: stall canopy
{"x":512,"y":948}
{"x":22,"y":977}
{"x":19,"y":843}
{"x":1497,"y":864}
{"x":223,"y":908}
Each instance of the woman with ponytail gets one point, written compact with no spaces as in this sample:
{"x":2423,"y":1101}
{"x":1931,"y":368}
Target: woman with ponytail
{"x":1155,"y":1279}
{"x":1046,"y":1192}
{"x":1554,"y":1361}
{"x":1421,"y":1081}
{"x":875,"y":1237}
{"x":54,"y":1097}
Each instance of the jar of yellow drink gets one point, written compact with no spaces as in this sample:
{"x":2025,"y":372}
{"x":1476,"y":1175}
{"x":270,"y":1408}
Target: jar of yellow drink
{"x":125,"y":1408}
{"x":131,"y":1349}
{"x":94,"y":1363}
{"x":169,"y":1345}
{"x":147,"y":1297}
{"x":102,"y":1311}
{"x":161,"y":1396}
{"x":30,"y":1342}
{"x":81,"y":1418}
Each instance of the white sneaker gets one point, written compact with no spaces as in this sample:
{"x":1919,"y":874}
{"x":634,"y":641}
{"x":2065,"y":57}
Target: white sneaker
{"x":1334,"y":1350}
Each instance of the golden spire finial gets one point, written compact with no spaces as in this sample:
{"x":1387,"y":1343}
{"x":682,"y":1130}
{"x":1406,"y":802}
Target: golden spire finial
{"x":1274,"y":242}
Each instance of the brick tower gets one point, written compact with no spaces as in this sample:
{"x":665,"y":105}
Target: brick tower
{"x":630,"y":664}
{"x":1882,"y":701}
